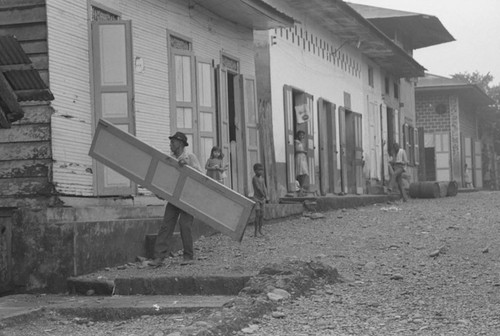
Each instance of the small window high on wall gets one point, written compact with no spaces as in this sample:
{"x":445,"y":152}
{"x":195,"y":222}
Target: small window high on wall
{"x":370,"y":77}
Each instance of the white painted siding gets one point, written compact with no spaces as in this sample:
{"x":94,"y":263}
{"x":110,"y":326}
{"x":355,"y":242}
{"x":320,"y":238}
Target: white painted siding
{"x":314,"y":74}
{"x":69,"y":82}
{"x":372,"y":137}
{"x":69,"y":32}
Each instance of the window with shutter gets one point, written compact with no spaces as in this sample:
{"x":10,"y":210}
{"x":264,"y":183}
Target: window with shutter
{"x":113,"y":92}
{"x":411,"y":146}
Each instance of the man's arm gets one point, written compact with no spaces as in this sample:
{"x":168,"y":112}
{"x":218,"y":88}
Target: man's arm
{"x":190,"y":160}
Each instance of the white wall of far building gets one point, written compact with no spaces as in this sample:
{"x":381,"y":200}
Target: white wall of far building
{"x":372,"y":134}
{"x":308,"y":71}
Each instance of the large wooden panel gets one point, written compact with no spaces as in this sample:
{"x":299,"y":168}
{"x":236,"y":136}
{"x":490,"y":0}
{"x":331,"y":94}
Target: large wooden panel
{"x":218,"y":206}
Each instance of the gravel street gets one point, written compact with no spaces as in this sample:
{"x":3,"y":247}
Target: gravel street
{"x":428,"y":267}
{"x":425,"y":267}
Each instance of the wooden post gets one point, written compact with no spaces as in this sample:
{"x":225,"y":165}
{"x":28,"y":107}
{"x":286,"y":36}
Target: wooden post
{"x":267,"y":148}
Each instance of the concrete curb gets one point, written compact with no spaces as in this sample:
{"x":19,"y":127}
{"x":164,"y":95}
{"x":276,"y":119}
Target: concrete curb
{"x":182,"y":285}
{"x":18,"y":309}
{"x":162,"y":285}
{"x":221,"y":315}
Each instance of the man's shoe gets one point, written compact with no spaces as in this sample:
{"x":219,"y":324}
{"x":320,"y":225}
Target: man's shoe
{"x":186,"y":260}
{"x":157,"y":262}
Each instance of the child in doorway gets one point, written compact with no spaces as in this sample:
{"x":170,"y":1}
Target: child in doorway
{"x":467,"y":179}
{"x":215,"y":165}
{"x":301,"y":168}
{"x":259,"y":196}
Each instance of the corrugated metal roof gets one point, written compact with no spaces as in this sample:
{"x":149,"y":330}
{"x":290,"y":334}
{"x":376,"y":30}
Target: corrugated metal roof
{"x":28,"y":85}
{"x":20,"y":81}
{"x":11,"y":52}
{"x":350,"y":26}
{"x":255,"y":14}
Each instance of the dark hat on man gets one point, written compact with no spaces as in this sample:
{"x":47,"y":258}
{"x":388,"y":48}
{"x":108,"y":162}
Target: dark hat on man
{"x":181,"y":137}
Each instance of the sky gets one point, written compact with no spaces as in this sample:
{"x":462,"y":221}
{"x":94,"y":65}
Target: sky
{"x":475,"y":25}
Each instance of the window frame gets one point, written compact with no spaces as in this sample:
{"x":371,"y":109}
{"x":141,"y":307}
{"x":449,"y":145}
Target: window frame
{"x":387,"y":85}
{"x":371,"y":81}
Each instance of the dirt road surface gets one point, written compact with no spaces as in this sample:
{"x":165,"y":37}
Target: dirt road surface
{"x":425,"y":267}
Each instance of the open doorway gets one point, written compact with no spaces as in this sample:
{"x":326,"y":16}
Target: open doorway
{"x":235,"y":156}
{"x":299,"y":119}
{"x":237,"y":126}
{"x":354,"y":152}
{"x":228,"y":121}
{"x":390,"y":131}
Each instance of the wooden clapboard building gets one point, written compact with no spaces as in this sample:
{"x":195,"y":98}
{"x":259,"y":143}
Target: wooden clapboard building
{"x":151,"y":68}
{"x":25,"y":145}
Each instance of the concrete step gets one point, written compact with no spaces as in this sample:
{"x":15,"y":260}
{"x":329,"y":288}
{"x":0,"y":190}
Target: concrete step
{"x":161,"y":285}
{"x":17,"y":309}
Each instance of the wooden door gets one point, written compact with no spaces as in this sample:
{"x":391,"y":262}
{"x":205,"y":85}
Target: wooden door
{"x":422,"y":162}
{"x":374,"y":153}
{"x":358,"y":153}
{"x":113,"y":93}
{"x":223,"y":121}
{"x":343,"y":149}
{"x":327,"y":146}
{"x":237,"y":143}
{"x":443,"y":158}
{"x":250,"y":120}
{"x":324,"y":177}
{"x":310,"y":142}
{"x":478,"y":165}
{"x":184,"y":116}
{"x":207,"y":126}
{"x":289,"y":138}
{"x":384,"y":143}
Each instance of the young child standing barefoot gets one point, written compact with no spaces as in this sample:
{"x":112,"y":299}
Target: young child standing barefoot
{"x":259,"y":196}
{"x":215,"y":165}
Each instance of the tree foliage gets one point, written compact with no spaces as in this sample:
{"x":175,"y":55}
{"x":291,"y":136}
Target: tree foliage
{"x":493,"y":123}
{"x":483,"y":81}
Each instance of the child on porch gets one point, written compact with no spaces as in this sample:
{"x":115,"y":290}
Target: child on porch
{"x":467,"y":179}
{"x":259,"y":196}
{"x":301,"y":168}
{"x":215,"y":165}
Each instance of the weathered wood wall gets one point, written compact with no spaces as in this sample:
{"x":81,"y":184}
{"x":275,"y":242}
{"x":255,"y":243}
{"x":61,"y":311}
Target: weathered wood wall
{"x":25,"y":149}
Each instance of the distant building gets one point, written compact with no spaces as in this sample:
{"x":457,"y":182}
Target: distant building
{"x":410,"y":31}
{"x":450,"y":112}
